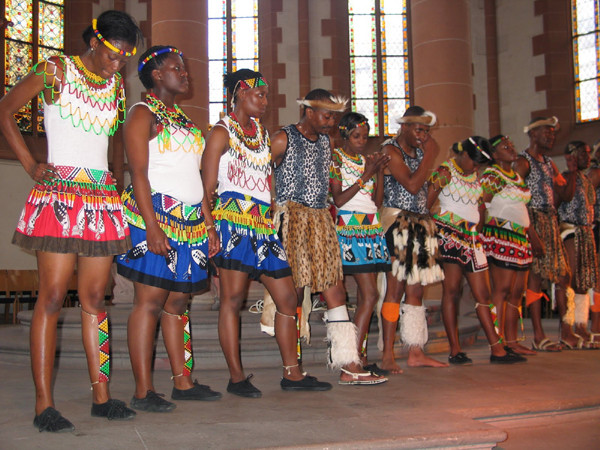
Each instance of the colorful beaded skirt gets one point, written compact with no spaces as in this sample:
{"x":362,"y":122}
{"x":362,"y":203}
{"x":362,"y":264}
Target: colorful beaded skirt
{"x":460,"y":243}
{"x":506,"y":244}
{"x":185,"y":268}
{"x":362,"y":244}
{"x":80,"y":212}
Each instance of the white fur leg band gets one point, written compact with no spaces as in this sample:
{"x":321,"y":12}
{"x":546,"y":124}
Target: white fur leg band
{"x":413,"y":326}
{"x":342,"y":336}
{"x":582,"y":309}
{"x":569,"y":317}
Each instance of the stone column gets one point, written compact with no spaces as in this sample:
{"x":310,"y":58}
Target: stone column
{"x":442,"y":66}
{"x":183,"y":24}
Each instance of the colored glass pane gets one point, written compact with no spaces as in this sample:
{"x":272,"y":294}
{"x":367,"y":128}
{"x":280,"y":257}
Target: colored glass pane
{"x":217,"y":46}
{"x":18,"y":61}
{"x":586,"y":58}
{"x":51,"y":26}
{"x":19,"y":12}
{"x":216,"y":8}
{"x":244,"y":8}
{"x":379,"y":61}
{"x":242,"y":46}
{"x":45,"y":53}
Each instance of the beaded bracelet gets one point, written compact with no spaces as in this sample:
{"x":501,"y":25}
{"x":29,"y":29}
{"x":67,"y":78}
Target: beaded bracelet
{"x":361,"y":183}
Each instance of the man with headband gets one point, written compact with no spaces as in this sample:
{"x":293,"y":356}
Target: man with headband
{"x":411,"y":236}
{"x":301,"y":155}
{"x":547,"y":186}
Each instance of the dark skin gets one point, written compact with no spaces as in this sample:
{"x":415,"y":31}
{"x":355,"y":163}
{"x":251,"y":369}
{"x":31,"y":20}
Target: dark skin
{"x":411,"y":137}
{"x":508,"y":285}
{"x":594,"y":176}
{"x":313,"y":123}
{"x":55,"y":270}
{"x":249,"y":103}
{"x":367,"y":282}
{"x":541,"y":140}
{"x":454,"y":273}
{"x":170,"y":80}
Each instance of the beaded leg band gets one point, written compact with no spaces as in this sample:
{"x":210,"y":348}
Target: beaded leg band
{"x":494,"y":315}
{"x":296,"y":318}
{"x":188,"y":364}
{"x":103,"y":346}
{"x":518,"y":308}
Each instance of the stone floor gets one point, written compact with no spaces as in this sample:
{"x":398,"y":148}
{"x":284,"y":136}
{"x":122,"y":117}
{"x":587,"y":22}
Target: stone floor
{"x":550,"y":402}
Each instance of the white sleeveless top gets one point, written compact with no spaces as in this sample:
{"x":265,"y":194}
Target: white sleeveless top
{"x":243,"y":169}
{"x":351,"y":170}
{"x":175,"y":171}
{"x":79,"y":124}
{"x":461,"y":195}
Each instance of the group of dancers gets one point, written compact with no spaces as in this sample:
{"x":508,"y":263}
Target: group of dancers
{"x":196,"y":207}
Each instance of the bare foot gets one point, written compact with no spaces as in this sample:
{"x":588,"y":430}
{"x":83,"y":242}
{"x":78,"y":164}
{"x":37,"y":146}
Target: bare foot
{"x":390,"y":365}
{"x":521,"y":349}
{"x":420,"y":359}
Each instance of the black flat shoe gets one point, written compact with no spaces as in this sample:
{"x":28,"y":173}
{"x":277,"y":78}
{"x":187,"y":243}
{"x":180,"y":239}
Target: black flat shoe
{"x":460,"y":359}
{"x":307,"y":383}
{"x":375,"y":369}
{"x":244,"y":388}
{"x":198,"y":392}
{"x":152,"y":402}
{"x":51,"y":420}
{"x":113,"y":410}
{"x":509,"y":358}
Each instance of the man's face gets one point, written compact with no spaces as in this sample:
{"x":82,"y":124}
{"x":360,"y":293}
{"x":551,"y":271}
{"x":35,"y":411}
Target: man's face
{"x":321,"y":120}
{"x":543,"y":136}
{"x":416,"y":134}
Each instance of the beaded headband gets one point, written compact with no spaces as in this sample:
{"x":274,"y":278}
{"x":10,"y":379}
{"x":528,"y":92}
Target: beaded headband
{"x":333,"y":103}
{"x":249,"y":83}
{"x":156,"y":53}
{"x":483,"y":152}
{"x":497,"y":141}
{"x":427,"y":118}
{"x":550,"y":121}
{"x":364,"y":123}
{"x":108,"y":44}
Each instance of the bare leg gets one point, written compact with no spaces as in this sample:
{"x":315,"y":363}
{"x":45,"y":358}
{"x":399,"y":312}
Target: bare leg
{"x":534,"y":284}
{"x":55,"y":270}
{"x":453,"y":274}
{"x":566,"y":331}
{"x":513,"y":316}
{"x":393,"y":296}
{"x":367,"y":298}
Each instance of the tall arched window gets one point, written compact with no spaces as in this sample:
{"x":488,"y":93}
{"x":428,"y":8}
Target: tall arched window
{"x":586,"y":58}
{"x":379,"y":72}
{"x":36,"y":33}
{"x":232,"y":45}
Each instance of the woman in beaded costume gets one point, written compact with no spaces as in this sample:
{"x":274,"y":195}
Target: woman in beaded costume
{"x":506,"y":236}
{"x":455,"y":183}
{"x":73,"y":216}
{"x":171,"y":228}
{"x":356,"y":183}
{"x":238,"y":158}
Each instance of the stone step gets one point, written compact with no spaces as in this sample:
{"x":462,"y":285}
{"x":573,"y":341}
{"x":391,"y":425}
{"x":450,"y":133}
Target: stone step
{"x":257,"y":349}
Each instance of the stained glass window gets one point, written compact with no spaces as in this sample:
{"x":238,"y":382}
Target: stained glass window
{"x":36,"y":33}
{"x":379,"y":61}
{"x":232,"y":45}
{"x":586,"y":58}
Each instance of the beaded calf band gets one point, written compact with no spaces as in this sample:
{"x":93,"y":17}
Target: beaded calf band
{"x":550,"y":121}
{"x":108,"y":44}
{"x":483,"y":152}
{"x":156,"y":53}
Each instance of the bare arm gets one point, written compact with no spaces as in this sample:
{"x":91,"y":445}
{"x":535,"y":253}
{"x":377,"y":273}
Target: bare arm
{"x":521,"y":166}
{"x":279,"y":143}
{"x":379,"y":189}
{"x":412,"y":181}
{"x":564,"y":186}
{"x":440,"y":179}
{"x":28,"y":88}
{"x":216,"y":144}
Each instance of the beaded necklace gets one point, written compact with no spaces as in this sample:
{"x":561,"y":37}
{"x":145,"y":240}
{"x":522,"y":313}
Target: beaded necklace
{"x":353,"y":167}
{"x":88,"y":75}
{"x":252,"y":138}
{"x":258,"y":159}
{"x":173,"y":125}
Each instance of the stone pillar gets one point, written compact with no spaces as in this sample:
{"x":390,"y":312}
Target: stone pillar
{"x":491,"y":46}
{"x":183,"y":24}
{"x":442,"y":66}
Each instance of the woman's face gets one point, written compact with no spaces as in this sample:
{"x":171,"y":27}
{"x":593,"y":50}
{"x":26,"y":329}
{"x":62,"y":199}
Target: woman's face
{"x":172,"y":74}
{"x":505,"y":151}
{"x":357,"y":140}
{"x":254,"y":101}
{"x":465,"y":162}
{"x":106,"y":61}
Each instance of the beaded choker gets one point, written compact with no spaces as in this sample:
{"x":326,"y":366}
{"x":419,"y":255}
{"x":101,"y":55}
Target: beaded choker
{"x":252,"y":139}
{"x":108,"y":44}
{"x":89,"y":76}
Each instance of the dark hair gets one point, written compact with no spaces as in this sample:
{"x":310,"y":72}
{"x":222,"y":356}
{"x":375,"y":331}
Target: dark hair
{"x":117,"y":26}
{"x":493,"y":139}
{"x":231,"y":80}
{"x":573,"y":146}
{"x":413,"y":111}
{"x":478,"y":148}
{"x":316,"y":94}
{"x":349,"y":121}
{"x":154,"y":63}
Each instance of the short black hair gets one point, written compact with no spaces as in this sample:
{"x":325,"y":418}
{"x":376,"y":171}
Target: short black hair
{"x":478,"y":148}
{"x":573,"y":146}
{"x":349,"y":121}
{"x":146,"y":73}
{"x":117,"y":26}
{"x":231,"y":80}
